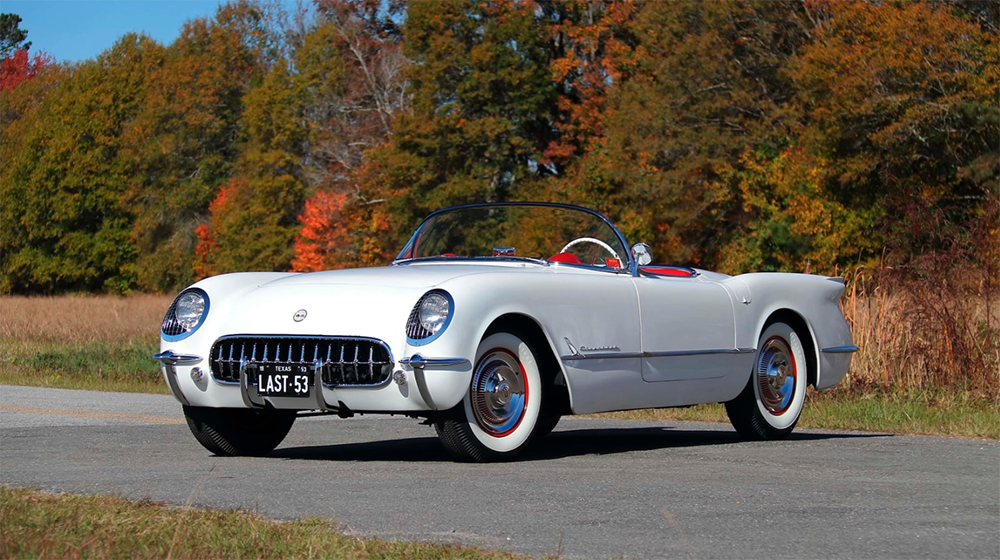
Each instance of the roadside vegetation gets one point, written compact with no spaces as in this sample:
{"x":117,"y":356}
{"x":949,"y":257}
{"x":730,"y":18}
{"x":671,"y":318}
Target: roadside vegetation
{"x":100,"y":343}
{"x":37,"y":524}
{"x":105,"y":343}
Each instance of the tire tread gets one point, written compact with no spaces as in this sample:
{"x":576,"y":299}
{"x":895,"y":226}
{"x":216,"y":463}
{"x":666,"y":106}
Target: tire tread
{"x":233,"y":432}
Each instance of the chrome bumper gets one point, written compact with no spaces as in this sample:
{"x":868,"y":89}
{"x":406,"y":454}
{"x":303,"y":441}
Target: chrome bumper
{"x":170,"y":361}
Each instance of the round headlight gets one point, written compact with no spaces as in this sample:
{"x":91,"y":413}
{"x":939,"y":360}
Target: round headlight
{"x":434,"y":311}
{"x":185,"y":315}
{"x":190,"y":308}
{"x":429,"y":318}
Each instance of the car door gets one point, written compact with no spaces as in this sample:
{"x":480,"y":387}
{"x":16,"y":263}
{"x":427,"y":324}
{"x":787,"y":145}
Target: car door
{"x":687,"y":328}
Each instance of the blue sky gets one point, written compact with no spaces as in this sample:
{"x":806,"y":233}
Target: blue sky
{"x":75,"y":30}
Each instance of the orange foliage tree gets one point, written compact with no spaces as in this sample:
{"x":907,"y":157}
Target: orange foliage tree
{"x":352,"y":69}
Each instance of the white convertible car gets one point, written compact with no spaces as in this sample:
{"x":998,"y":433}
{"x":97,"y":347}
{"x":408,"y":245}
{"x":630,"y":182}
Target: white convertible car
{"x":493,"y":322}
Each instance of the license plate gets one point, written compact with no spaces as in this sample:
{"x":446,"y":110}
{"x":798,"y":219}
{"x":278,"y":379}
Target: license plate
{"x":283,"y":380}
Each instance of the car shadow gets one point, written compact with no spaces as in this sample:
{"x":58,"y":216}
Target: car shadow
{"x":557,"y":445}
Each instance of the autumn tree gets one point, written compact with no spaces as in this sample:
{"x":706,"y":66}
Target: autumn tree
{"x":185,"y":141}
{"x":21,"y":67}
{"x":253,"y":219}
{"x":65,"y":172}
{"x":481,"y":113}
{"x":899,"y":105}
{"x":353,"y":74}
{"x":593,"y":47}
{"x":707,"y":81}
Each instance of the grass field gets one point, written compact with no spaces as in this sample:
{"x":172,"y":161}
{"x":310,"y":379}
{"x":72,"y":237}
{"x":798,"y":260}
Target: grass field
{"x":40,"y":525}
{"x":102,"y":343}
{"x":105,"y":343}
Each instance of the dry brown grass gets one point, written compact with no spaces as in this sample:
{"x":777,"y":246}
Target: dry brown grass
{"x":102,"y":343}
{"x":923,"y":336}
{"x":82,"y":319}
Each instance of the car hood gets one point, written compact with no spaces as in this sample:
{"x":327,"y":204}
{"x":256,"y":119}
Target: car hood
{"x":371,"y":302}
{"x":388,"y":277}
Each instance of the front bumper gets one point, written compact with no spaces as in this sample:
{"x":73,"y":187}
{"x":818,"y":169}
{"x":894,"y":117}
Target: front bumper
{"x":418,"y":384}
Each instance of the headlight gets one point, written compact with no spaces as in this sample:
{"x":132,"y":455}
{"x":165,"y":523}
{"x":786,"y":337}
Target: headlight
{"x":185,"y":315}
{"x":429,"y":318}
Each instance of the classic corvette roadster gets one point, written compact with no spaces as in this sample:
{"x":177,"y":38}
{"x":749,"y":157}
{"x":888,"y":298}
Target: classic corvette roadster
{"x":493,"y":322}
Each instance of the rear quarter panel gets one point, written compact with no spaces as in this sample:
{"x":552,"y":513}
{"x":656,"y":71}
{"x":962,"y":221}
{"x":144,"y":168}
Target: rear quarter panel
{"x":814,"y":298}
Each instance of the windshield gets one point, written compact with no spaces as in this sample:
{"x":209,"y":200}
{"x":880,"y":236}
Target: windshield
{"x":555,"y":233}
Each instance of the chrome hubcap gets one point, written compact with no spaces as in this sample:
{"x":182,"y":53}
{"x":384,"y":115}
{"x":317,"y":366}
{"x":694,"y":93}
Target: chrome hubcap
{"x":499,"y":393}
{"x":776,"y":376}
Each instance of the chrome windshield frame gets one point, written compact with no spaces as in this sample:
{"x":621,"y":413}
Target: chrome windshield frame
{"x":627,"y":267}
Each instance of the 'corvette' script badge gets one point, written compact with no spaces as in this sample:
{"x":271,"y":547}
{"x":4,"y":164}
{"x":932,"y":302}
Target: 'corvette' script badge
{"x":299,"y":315}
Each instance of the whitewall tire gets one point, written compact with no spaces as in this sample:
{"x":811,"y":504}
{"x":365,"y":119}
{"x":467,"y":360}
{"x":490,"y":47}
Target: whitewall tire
{"x":500,"y":411}
{"x":771,"y":403}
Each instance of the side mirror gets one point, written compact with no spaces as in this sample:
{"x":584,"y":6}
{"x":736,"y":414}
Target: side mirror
{"x":642,"y":254}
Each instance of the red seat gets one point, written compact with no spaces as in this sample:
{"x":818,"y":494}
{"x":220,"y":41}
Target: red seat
{"x":663,"y":270}
{"x":568,"y":258}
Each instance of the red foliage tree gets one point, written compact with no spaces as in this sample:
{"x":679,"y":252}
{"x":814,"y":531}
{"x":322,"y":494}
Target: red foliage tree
{"x":20,"y":67}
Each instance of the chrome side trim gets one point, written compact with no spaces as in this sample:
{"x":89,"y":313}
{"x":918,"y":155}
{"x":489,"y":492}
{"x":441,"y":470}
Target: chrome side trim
{"x":169,"y":358}
{"x":841,"y":350}
{"x":675,"y":353}
{"x":698,"y":352}
{"x":837,"y":279}
{"x":417,"y":361}
{"x":601,"y":356}
{"x":573,"y":351}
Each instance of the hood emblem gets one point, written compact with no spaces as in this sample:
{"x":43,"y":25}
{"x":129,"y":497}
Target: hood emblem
{"x":299,"y":315}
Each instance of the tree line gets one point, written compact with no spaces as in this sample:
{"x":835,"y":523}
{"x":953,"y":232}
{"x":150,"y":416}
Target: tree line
{"x":797,"y":135}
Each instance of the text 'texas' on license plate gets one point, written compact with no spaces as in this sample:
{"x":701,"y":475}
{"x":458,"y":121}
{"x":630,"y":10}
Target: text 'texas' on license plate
{"x":284,"y":380}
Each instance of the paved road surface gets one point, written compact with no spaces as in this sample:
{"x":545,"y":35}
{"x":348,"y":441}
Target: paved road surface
{"x":595,"y":489}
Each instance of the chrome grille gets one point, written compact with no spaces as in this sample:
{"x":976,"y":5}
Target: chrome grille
{"x":344,"y":360}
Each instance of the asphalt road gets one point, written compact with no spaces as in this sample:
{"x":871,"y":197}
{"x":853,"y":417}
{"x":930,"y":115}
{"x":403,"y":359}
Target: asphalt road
{"x":594,"y":489}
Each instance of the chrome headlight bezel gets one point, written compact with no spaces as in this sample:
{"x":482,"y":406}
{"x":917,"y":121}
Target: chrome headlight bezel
{"x":426,"y":322}
{"x":175,"y":328}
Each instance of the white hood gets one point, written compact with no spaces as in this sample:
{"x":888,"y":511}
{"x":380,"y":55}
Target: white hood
{"x":389,"y":276}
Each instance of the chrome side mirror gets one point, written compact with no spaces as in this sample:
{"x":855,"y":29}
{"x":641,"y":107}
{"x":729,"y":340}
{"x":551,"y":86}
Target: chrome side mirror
{"x":642,"y":254}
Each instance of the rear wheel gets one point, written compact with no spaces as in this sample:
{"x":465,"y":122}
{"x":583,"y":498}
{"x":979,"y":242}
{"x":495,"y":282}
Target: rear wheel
{"x":770,"y":404}
{"x":500,"y":411}
{"x":239,"y":431}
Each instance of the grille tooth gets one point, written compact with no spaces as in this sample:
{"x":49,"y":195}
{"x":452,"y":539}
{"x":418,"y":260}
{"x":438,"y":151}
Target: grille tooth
{"x":345,"y":371}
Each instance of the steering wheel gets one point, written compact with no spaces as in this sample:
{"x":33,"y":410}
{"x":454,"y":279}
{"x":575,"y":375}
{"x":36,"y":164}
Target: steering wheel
{"x":595,"y":241}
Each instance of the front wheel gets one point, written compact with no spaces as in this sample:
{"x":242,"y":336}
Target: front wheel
{"x":500,"y":411}
{"x":239,"y":431}
{"x":770,"y":404}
